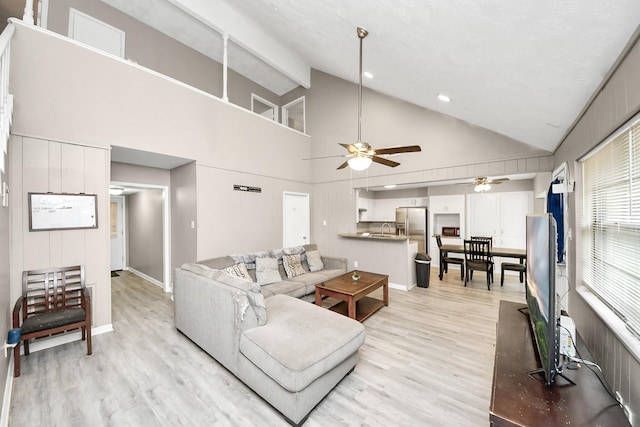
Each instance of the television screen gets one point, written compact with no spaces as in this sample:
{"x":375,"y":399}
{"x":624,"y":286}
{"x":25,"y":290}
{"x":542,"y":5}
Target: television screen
{"x":544,"y":313}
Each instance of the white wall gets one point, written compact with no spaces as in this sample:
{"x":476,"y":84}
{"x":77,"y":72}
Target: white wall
{"x":183,"y":213}
{"x":48,"y":166}
{"x":85,"y":102}
{"x":232,"y":221}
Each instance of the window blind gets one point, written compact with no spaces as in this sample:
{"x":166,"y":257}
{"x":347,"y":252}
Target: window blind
{"x":611,"y":224}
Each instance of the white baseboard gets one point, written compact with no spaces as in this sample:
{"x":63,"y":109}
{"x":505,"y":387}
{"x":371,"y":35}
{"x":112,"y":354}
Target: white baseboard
{"x":145,"y":277}
{"x":401,"y":287}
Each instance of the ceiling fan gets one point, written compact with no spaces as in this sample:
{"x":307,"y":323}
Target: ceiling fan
{"x":361,"y":154}
{"x":482,"y":183}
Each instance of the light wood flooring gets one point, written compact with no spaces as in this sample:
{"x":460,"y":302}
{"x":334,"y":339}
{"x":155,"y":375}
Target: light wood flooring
{"x":427,"y":361}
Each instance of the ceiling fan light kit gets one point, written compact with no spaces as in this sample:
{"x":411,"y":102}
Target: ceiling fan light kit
{"x":359,"y":163}
{"x":482,"y":187}
{"x":482,"y":183}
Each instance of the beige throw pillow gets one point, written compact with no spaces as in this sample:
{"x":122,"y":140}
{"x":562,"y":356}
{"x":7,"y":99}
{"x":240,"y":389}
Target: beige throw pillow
{"x":292,"y":265}
{"x":239,"y":270}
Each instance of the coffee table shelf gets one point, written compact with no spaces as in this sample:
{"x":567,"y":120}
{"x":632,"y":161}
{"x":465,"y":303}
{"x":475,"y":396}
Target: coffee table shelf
{"x":353,"y":295}
{"x":364,"y":307}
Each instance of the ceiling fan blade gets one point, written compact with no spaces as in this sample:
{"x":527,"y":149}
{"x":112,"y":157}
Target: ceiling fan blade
{"x":498,"y":181}
{"x":397,"y":150}
{"x":342,"y":166}
{"x":350,"y":148}
{"x":327,"y":157}
{"x":385,"y":162}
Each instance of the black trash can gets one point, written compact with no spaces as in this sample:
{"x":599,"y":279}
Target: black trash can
{"x":423,"y":269}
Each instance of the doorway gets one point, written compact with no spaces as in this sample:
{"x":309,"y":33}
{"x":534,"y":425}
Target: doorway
{"x":295,"y":219}
{"x":89,"y":30}
{"x":161,"y":233}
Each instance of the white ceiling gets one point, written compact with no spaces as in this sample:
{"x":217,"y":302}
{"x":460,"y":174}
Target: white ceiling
{"x":524,"y":69}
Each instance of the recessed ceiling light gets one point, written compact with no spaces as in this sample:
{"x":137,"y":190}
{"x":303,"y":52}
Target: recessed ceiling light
{"x":367,"y":75}
{"x":390,"y":186}
{"x":444,"y":98}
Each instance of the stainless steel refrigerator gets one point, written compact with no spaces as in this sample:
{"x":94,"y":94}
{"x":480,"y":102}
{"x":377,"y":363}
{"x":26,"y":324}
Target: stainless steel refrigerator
{"x":412,"y":222}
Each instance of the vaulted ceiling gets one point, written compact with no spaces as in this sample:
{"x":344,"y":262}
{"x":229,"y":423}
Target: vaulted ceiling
{"x":523,"y":69}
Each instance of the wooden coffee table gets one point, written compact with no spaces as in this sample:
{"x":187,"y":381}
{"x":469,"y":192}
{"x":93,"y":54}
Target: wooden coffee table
{"x":353,"y":294}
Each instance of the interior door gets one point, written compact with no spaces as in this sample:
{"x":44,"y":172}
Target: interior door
{"x":89,"y":30}
{"x":117,"y":232}
{"x":295,"y":219}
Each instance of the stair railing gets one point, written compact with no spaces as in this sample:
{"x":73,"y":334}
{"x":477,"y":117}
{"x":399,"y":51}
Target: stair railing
{"x":6,"y":99}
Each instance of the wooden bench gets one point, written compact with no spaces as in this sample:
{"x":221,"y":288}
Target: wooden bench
{"x":53,"y":301}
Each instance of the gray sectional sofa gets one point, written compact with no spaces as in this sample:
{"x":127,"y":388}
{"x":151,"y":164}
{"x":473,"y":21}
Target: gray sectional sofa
{"x":289,"y":351}
{"x":302,"y":286}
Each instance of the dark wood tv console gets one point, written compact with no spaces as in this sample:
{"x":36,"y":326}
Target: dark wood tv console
{"x":519,"y":399}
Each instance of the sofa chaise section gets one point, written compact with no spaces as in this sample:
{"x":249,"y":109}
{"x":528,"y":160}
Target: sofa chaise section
{"x":292,"y":353}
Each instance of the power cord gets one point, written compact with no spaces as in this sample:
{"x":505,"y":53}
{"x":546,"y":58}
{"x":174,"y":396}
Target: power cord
{"x":590,"y":365}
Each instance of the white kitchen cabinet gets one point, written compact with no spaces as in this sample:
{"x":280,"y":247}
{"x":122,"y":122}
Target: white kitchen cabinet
{"x":385,"y":209}
{"x":447,"y":204}
{"x":502,"y":216}
{"x":445,"y":211}
{"x":484,"y":218}
{"x":363,"y":207}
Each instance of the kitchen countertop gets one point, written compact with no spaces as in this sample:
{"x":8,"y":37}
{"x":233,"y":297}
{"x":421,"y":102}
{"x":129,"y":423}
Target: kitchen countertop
{"x":374,"y":236}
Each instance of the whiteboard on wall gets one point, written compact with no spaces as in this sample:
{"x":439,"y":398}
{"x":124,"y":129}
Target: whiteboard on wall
{"x":51,"y":211}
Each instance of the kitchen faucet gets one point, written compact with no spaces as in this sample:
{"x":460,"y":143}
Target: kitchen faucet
{"x":382,"y":228}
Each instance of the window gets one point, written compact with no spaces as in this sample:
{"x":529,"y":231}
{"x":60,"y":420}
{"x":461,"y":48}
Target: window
{"x":293,"y":115}
{"x":264,"y":108}
{"x":611,"y":223}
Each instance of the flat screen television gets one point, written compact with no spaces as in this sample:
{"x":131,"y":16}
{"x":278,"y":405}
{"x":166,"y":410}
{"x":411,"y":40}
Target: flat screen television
{"x":544,"y":312}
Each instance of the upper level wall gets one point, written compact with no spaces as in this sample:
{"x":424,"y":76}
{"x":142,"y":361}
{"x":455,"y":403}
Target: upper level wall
{"x":102,"y":100}
{"x":156,"y":51}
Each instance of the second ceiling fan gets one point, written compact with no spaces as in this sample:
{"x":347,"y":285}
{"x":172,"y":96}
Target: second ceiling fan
{"x":361,"y":154}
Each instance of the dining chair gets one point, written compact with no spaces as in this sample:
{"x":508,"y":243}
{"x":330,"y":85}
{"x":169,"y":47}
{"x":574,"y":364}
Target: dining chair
{"x":445,"y":260}
{"x":477,"y":257}
{"x":490,"y":240}
{"x":513,"y":266}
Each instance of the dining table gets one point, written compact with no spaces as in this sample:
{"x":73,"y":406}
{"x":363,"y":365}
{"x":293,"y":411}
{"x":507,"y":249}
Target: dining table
{"x":521,"y":254}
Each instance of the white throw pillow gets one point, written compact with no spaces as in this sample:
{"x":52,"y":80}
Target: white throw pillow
{"x":267,"y":271}
{"x":315,"y":261}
